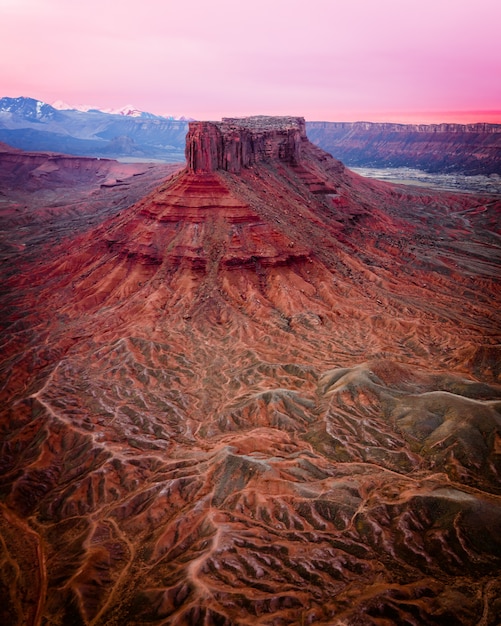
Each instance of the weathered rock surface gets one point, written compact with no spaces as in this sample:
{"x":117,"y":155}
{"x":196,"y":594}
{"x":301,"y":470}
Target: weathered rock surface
{"x":236,"y":143}
{"x":467,"y":148}
{"x":32,"y":171}
{"x":268,"y":392}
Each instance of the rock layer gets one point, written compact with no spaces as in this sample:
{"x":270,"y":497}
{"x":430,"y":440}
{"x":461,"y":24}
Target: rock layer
{"x":269,"y":397}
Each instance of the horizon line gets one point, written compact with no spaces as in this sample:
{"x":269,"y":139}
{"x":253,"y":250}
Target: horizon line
{"x":429,"y":117}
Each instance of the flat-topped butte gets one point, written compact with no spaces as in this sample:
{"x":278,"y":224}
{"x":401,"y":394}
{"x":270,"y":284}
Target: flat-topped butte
{"x":235,"y":143}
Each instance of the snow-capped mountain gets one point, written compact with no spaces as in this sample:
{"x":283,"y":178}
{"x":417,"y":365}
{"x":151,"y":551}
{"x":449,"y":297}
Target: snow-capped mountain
{"x":28,"y":108}
{"x":34,"y":125}
{"x":129,"y":110}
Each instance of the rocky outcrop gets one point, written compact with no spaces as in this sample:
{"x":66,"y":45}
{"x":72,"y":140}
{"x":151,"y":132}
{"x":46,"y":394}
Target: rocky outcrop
{"x":467,"y":148}
{"x":235,"y":143}
{"x":4,"y":147}
{"x":29,"y":170}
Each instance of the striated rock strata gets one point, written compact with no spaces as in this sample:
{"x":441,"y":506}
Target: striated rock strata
{"x":268,"y":392}
{"x":468,"y":148}
{"x":236,"y":143}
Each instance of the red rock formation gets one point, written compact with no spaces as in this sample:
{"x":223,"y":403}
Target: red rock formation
{"x":6,"y":148}
{"x":234,"y":143}
{"x":269,"y":397}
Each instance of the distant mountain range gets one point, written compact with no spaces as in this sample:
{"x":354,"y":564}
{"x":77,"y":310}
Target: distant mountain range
{"x":129,"y":110}
{"x":33,"y":125}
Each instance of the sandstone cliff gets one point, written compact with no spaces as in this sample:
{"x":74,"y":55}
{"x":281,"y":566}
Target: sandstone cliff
{"x":467,"y":148}
{"x":237,"y":143}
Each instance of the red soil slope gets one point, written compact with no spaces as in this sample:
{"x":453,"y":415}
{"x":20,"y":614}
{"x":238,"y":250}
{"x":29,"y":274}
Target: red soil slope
{"x":266,"y":393}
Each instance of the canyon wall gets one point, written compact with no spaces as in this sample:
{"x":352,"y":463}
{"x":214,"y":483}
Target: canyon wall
{"x":235,"y":143}
{"x":467,"y":148}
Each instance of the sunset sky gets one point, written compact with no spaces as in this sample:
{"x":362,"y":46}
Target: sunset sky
{"x":388,"y":60}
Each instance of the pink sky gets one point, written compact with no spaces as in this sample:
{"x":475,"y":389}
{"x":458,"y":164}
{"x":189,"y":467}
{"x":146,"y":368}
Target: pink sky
{"x":389,"y":60}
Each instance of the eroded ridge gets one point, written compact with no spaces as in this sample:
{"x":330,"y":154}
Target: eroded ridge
{"x":267,"y":397}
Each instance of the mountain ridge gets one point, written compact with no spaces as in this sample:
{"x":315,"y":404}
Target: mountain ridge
{"x":31,"y":125}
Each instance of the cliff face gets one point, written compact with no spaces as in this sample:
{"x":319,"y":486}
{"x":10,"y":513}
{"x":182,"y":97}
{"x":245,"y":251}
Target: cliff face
{"x":389,"y":127}
{"x":466,"y":148}
{"x":29,"y":170}
{"x":235,"y":143}
{"x":268,"y":397}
